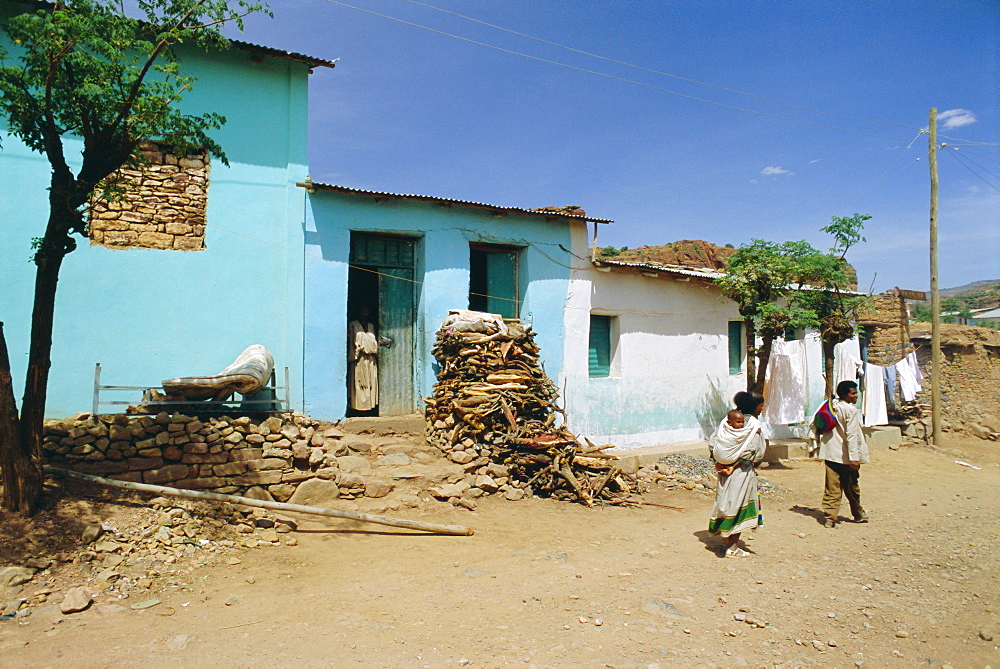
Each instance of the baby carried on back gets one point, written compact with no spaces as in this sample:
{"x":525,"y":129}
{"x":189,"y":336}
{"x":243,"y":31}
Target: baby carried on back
{"x":731,"y":441}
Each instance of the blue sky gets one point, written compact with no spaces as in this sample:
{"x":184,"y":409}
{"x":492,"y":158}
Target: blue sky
{"x":409,"y":110}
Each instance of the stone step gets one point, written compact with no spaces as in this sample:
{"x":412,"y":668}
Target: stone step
{"x":410,"y":426}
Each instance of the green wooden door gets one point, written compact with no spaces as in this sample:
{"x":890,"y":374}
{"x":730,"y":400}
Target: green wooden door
{"x":395,"y":361}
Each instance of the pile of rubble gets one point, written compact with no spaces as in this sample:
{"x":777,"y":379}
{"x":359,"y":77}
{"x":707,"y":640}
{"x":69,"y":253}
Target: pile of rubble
{"x":134,"y":556}
{"x":494,"y":409}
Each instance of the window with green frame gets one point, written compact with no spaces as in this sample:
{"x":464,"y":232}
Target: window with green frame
{"x":493,"y":280}
{"x":600,"y":350}
{"x":736,"y":347}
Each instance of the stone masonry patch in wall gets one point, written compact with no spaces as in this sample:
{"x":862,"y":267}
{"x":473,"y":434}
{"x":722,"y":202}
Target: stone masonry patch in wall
{"x":163,"y":206}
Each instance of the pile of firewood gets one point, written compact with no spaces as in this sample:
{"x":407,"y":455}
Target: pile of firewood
{"x":493,"y":403}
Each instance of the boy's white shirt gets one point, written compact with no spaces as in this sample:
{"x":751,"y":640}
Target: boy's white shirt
{"x":845,"y":443}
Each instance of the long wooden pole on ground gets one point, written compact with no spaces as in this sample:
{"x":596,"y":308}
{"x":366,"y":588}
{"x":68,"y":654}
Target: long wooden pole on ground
{"x":435,"y":528}
{"x":935,"y":295}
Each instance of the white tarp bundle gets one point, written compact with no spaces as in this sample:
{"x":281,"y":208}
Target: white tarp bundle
{"x":247,"y":375}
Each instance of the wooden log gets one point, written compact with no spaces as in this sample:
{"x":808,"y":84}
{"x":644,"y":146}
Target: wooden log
{"x":593,"y":463}
{"x":265,"y":504}
{"x":567,"y":473}
{"x":603,"y":481}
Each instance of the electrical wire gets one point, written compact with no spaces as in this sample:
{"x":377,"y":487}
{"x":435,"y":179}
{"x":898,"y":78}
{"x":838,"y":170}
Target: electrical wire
{"x":616,"y":78}
{"x":960,"y":162}
{"x":417,"y":282}
{"x":966,"y":157}
{"x":892,"y":168}
{"x":652,"y":71}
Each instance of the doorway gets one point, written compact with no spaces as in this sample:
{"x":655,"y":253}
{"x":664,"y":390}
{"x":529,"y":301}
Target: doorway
{"x":381,"y":278}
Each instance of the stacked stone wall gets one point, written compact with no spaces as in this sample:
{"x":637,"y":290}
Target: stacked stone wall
{"x":162,"y":205}
{"x":226,"y":455}
{"x":887,"y":320}
{"x":970,"y":377}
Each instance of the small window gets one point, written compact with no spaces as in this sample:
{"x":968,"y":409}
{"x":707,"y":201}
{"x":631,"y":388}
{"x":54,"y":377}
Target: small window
{"x":493,"y":281}
{"x":736,"y":347}
{"x":601,"y":352}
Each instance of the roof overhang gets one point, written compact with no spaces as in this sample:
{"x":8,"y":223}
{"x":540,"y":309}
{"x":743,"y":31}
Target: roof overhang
{"x":497,"y":210}
{"x":680,"y":273}
{"x":311,"y":61}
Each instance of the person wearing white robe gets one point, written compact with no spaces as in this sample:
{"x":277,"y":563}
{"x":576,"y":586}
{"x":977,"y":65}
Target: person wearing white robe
{"x":362,"y":357}
{"x":737,"y":500}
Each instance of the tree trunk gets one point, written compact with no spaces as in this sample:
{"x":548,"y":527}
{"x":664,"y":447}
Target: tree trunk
{"x":828,"y":345}
{"x":763,"y":357}
{"x":40,"y":352}
{"x":21,"y":473}
{"x":751,"y":345}
{"x":63,"y":217}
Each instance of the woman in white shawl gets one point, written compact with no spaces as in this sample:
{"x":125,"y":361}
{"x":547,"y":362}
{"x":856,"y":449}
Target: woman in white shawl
{"x":737,"y":450}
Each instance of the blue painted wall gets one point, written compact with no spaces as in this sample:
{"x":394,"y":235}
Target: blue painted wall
{"x":442,"y":272}
{"x":147,"y":315}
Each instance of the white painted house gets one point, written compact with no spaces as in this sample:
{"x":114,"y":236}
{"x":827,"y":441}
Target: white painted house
{"x":654,"y":354}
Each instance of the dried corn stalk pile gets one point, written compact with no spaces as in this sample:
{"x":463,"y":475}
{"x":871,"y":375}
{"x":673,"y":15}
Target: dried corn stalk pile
{"x":493,"y":403}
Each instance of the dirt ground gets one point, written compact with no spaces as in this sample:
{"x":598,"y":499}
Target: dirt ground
{"x":554,"y":584}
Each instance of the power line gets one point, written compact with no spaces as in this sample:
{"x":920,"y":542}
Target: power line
{"x":969,"y":141}
{"x":417,"y":282}
{"x":616,"y":78}
{"x":652,"y":71}
{"x":966,"y":157}
{"x":892,"y":168}
{"x":962,"y":163}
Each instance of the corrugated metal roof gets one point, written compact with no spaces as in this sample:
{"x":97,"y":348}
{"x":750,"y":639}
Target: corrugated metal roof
{"x":444,"y":200}
{"x":679,"y":270}
{"x":279,"y":53}
{"x":248,"y":46}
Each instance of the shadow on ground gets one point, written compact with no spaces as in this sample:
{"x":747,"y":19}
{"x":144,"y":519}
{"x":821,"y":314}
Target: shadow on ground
{"x":67,"y":508}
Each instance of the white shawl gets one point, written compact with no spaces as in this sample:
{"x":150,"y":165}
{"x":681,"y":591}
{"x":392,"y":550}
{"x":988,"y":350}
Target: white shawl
{"x":728,"y":444}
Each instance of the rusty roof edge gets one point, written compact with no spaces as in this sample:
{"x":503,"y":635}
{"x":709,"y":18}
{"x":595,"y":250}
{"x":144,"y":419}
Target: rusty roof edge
{"x":311,"y":61}
{"x":444,"y":200}
{"x":702,"y":273}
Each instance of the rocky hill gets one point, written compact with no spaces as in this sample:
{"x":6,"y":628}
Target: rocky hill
{"x":694,"y":253}
{"x":976,"y":295}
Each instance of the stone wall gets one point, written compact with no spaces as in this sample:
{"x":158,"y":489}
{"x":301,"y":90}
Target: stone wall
{"x":162,"y":206}
{"x":887,"y":322}
{"x":970,"y":377}
{"x":226,"y":455}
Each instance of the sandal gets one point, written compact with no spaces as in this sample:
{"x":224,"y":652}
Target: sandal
{"x":736,"y":551}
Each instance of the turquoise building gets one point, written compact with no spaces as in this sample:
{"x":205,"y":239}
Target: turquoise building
{"x":156,"y":299}
{"x":203,"y":260}
{"x":412,"y":258}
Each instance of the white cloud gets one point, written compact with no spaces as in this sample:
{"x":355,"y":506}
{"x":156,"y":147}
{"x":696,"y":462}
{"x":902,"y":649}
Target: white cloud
{"x":814,"y":161}
{"x":956,"y":118}
{"x":773,"y":171}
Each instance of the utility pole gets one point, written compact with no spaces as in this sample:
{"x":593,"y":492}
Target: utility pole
{"x":935,"y":296}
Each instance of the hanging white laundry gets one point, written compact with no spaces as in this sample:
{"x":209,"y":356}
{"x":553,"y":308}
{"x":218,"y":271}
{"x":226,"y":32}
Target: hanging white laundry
{"x":847,"y":363}
{"x":909,"y":377}
{"x":874,"y":407}
{"x":785,"y":396}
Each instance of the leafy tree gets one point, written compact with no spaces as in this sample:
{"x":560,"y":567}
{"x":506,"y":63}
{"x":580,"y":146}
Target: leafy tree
{"x":608,"y":252}
{"x":760,"y":277}
{"x":830,"y":274}
{"x":793,"y":285}
{"x":84,"y":70}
